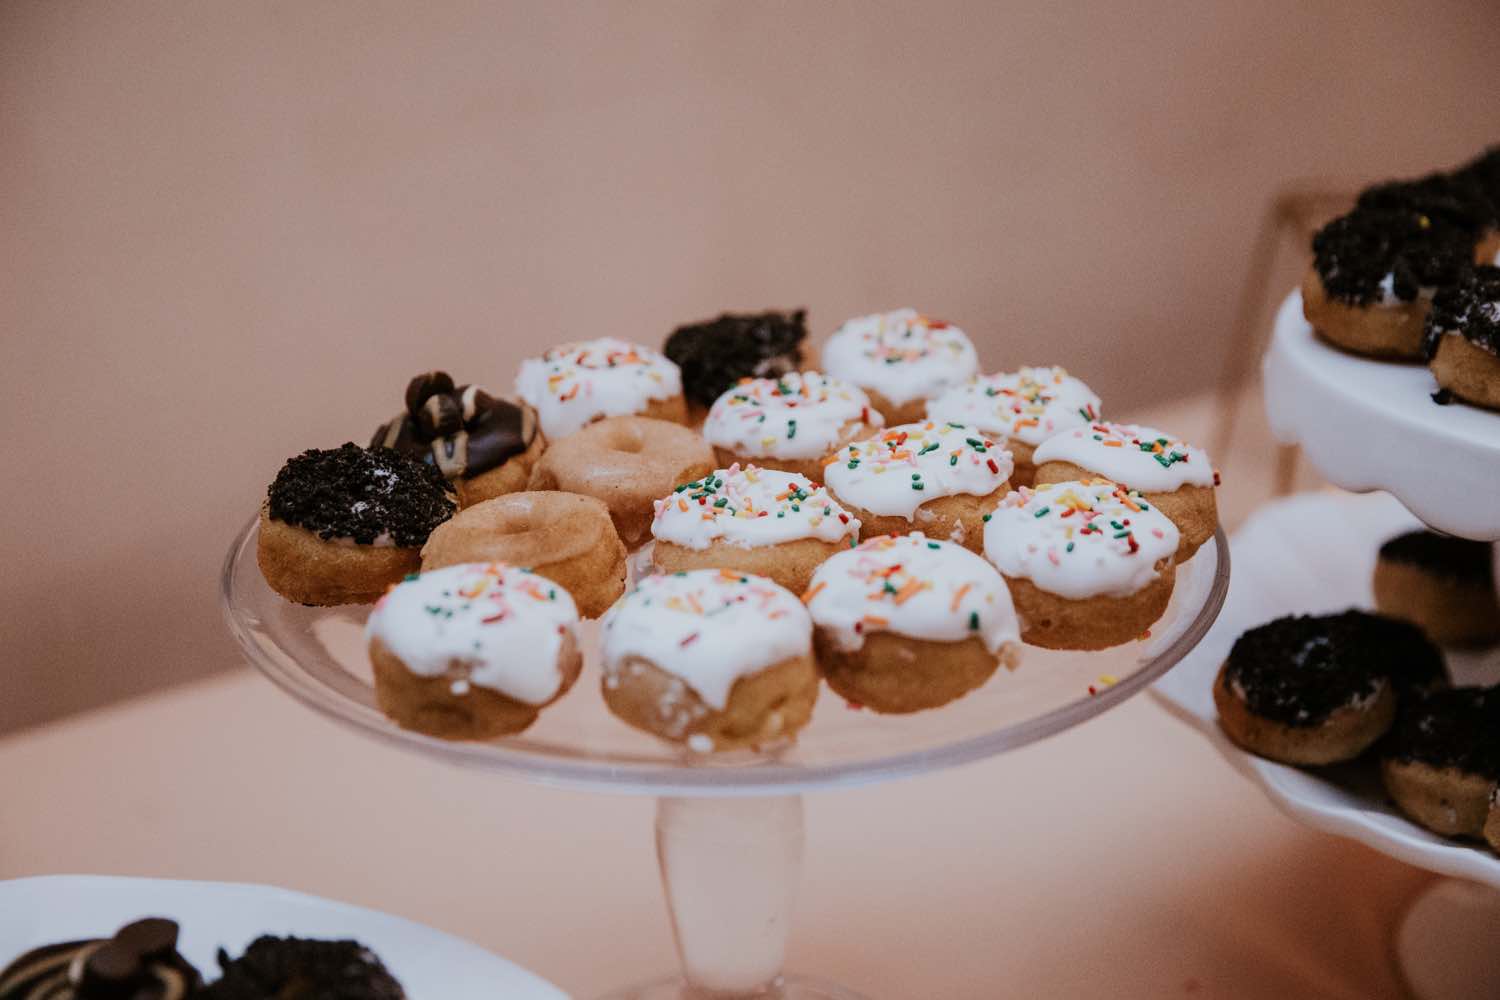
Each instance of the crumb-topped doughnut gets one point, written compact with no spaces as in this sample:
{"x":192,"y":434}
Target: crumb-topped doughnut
{"x":292,"y":968}
{"x":789,"y":423}
{"x":1462,"y":338}
{"x":568,"y":538}
{"x":1443,"y":759}
{"x":140,"y":962}
{"x":763,"y":521}
{"x":339,"y":526}
{"x":937,"y":478}
{"x":1444,"y":584}
{"x":1373,"y":276}
{"x":575,"y":384}
{"x":716,"y":354}
{"x":484,"y":444}
{"x":472,"y":651}
{"x":1174,"y":476}
{"x":1089,"y":563}
{"x":1024,"y":408}
{"x":1321,"y":689}
{"x":713,"y":659}
{"x":908,"y":623}
{"x":628,"y":463}
{"x":1460,"y":199}
{"x":901,"y":359}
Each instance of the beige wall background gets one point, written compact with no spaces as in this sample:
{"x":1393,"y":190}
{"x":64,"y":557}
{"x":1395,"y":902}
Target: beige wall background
{"x":231,"y":231}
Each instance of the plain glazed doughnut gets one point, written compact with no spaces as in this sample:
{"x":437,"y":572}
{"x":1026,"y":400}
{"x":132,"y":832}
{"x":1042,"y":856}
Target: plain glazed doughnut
{"x":567,"y":538}
{"x":1172,"y":474}
{"x":712,"y":659}
{"x":572,"y":385}
{"x":1021,"y":408}
{"x":907,"y":623}
{"x":1089,"y":564}
{"x":472,"y":651}
{"x":340,"y":526}
{"x":628,"y":463}
{"x":900,"y":359}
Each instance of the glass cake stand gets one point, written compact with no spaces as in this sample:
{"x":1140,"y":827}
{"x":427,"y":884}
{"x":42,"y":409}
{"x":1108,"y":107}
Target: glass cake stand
{"x":729,"y":830}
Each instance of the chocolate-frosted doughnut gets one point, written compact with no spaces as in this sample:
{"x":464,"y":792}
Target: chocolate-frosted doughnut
{"x":1444,"y":584}
{"x":1320,"y":689}
{"x":341,"y":525}
{"x":1443,"y":759}
{"x":1373,"y":275}
{"x":628,"y":463}
{"x":565,"y":537}
{"x":292,"y":967}
{"x":716,"y":354}
{"x":484,"y":444}
{"x":140,"y":962}
{"x":1462,"y":337}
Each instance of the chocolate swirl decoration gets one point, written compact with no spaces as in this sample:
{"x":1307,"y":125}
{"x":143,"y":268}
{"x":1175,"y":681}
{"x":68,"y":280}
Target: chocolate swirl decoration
{"x":462,"y":430}
{"x":139,"y":963}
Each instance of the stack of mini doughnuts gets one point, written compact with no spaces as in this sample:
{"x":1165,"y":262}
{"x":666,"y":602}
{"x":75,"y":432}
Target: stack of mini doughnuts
{"x":1412,"y":273}
{"x":896,"y":524}
{"x":1314,"y":691}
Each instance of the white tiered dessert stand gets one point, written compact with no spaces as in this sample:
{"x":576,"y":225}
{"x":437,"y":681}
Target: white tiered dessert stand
{"x":1366,"y":426}
{"x":729,"y":829}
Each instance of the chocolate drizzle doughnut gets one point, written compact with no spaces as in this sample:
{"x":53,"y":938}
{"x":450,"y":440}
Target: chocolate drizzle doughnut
{"x":1398,"y":251}
{"x":139,"y":963}
{"x":1445,"y":555}
{"x":1450,"y":728}
{"x":293,"y":967}
{"x":462,"y":430}
{"x":715,"y":354}
{"x":1300,"y":669}
{"x":1470,"y":307}
{"x":361,"y":494}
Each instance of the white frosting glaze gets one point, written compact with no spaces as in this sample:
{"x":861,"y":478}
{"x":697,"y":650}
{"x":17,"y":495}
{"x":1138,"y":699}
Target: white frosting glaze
{"x":1079,"y":539}
{"x":912,"y":586}
{"x":902,"y":355}
{"x":574,"y":384}
{"x":707,"y":628}
{"x":800,"y":415}
{"x":750,"y":507}
{"x":905,"y":466}
{"x":501,"y":626}
{"x":1029,"y":405}
{"x":1142,"y":458}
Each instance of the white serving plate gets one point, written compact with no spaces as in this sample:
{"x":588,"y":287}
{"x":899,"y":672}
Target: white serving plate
{"x":1372,"y":425}
{"x":431,"y":965}
{"x":1315,"y":553}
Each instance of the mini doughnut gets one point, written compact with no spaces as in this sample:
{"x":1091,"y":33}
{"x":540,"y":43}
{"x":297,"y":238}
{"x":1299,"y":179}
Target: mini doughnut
{"x":339,"y":526}
{"x":1022,"y":408}
{"x":1463,"y":338}
{"x":1319,"y":690}
{"x":1177,"y":478}
{"x":712,"y":659}
{"x":573,"y":385}
{"x":900,"y":359}
{"x":1460,"y":199}
{"x":628,"y":463}
{"x":907,"y":623}
{"x":472,"y":651}
{"x":1373,"y":276}
{"x":1444,"y":584}
{"x":759,"y":521}
{"x":716,"y":354}
{"x":941,"y":479}
{"x":1443,"y":759}
{"x":484,"y":445}
{"x":790,"y":423}
{"x":567,"y":538}
{"x":1089,"y":564}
